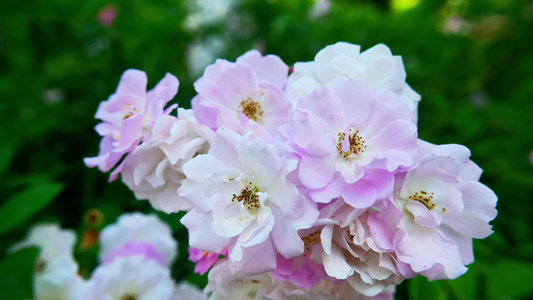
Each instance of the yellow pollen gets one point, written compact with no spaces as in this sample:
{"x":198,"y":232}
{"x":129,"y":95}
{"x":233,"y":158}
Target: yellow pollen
{"x":251,"y":109}
{"x":357,"y":144}
{"x":310,"y":240}
{"x":424,"y":198}
{"x":132,"y":110}
{"x":249,"y":198}
{"x":40,"y":266}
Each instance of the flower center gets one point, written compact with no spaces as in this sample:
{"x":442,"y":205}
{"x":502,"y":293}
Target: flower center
{"x":424,"y":198}
{"x":40,"y":266}
{"x":351,"y":146}
{"x":310,"y":240}
{"x":128,"y":297}
{"x":249,"y":198}
{"x":131,"y":110}
{"x":251,"y":109}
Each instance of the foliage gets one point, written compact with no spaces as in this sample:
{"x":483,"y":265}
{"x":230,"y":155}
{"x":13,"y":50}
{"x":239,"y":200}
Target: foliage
{"x":467,"y":59}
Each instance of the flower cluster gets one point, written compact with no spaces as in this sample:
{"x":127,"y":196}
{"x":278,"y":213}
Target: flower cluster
{"x":312,"y":184}
{"x":135,"y":255}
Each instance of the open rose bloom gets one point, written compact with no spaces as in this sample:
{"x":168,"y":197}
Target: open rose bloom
{"x":309,"y":185}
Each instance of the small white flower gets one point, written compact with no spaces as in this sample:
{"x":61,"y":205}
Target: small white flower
{"x":56,"y":270}
{"x":185,"y":290}
{"x":58,"y":280}
{"x":139,"y":228}
{"x":51,"y":239}
{"x":130,"y":278}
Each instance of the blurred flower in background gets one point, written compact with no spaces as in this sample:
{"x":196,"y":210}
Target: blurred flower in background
{"x":207,"y":12}
{"x":107,"y":15}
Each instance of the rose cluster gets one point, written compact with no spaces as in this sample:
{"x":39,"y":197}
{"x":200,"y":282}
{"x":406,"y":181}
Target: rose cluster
{"x":307,"y":182}
{"x":135,"y":256}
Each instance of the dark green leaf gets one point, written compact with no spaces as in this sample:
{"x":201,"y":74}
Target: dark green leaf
{"x":509,"y":279}
{"x":23,"y":205}
{"x":6,"y":154}
{"x":16,"y":274}
{"x":421,"y":289}
{"x":466,"y":286}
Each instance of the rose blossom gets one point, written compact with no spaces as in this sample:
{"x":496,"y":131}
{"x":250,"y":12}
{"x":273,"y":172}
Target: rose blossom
{"x":187,"y":291}
{"x":351,"y":140}
{"x":135,"y":233}
{"x":301,"y":271}
{"x":134,"y":248}
{"x":223,"y":284}
{"x":204,"y":260}
{"x":131,"y":277}
{"x":153,"y":170}
{"x":342,"y":290}
{"x":56,"y":271}
{"x":128,"y":116}
{"x":243,"y":201}
{"x":376,"y":66}
{"x":444,"y":206}
{"x":359,"y":247}
{"x":243,"y":96}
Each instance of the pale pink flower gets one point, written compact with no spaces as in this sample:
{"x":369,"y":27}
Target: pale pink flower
{"x":128,"y":117}
{"x":59,"y":279}
{"x":135,"y":234}
{"x":204,"y":260}
{"x":351,"y":140}
{"x":376,"y":66}
{"x":153,"y":170}
{"x":131,"y":277}
{"x":361,"y":251}
{"x":243,"y":201}
{"x":135,"y":248}
{"x":56,"y":271}
{"x":51,"y":239}
{"x":342,"y":290}
{"x":244,"y":96}
{"x":224,"y":284}
{"x":444,"y":206}
{"x":187,"y":291}
{"x":301,"y":271}
{"x":306,"y":270}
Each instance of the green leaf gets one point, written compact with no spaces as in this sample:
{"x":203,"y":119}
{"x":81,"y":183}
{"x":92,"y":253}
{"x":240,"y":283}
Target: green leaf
{"x":420,"y":288}
{"x":6,"y":155}
{"x":466,"y":287}
{"x":23,"y":205}
{"x":16,"y":274}
{"x":509,"y":279}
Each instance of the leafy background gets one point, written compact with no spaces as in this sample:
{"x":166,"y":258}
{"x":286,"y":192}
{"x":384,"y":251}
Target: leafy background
{"x":470,"y":60}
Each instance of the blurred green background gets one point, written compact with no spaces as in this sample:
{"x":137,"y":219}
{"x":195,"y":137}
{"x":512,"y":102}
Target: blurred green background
{"x":470,"y":60}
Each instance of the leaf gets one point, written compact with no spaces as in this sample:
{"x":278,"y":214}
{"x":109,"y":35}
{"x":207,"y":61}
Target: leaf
{"x":6,"y":155}
{"x":420,"y":288}
{"x":507,"y":279}
{"x":16,"y":274}
{"x":466,"y":287}
{"x":23,"y":205}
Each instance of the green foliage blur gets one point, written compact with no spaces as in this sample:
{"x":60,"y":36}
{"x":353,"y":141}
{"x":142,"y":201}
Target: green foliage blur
{"x":470,"y":60}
